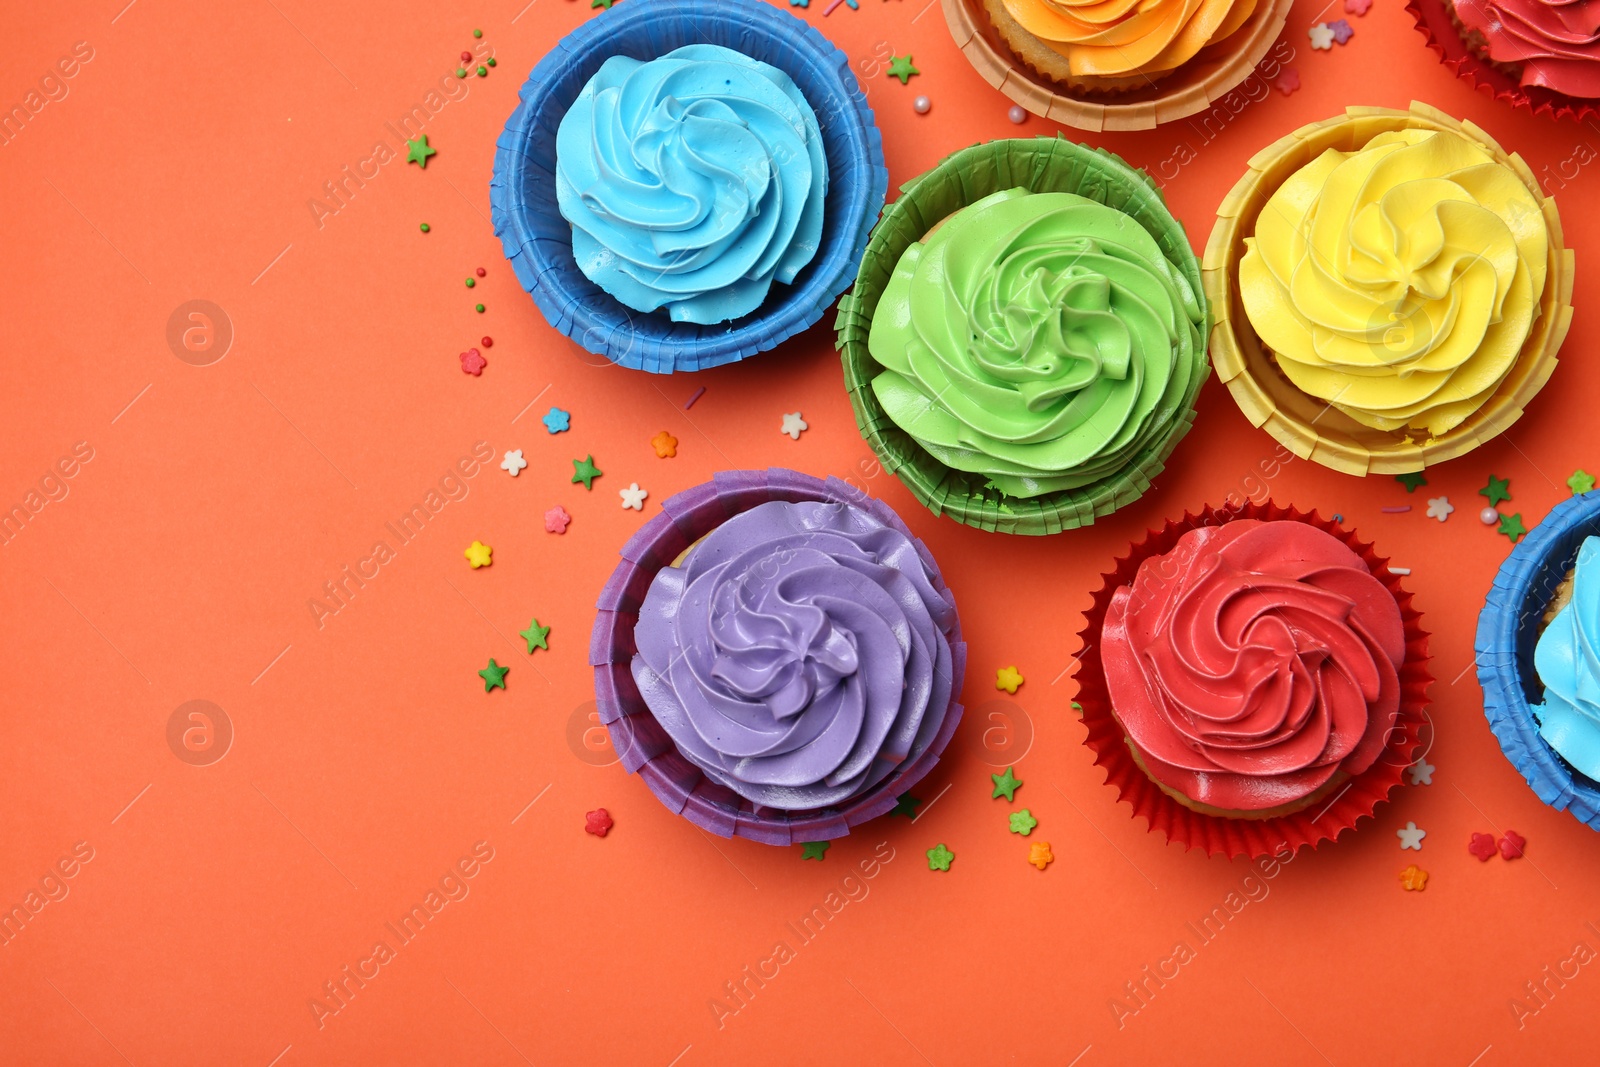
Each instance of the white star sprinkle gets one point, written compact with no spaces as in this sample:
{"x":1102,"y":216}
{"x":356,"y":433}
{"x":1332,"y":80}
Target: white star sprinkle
{"x":633,"y":496}
{"x":1322,"y":36}
{"x":513,"y":462}
{"x":793,"y":424}
{"x":1410,"y":837}
{"x":1439,"y":507}
{"x":1421,"y":772}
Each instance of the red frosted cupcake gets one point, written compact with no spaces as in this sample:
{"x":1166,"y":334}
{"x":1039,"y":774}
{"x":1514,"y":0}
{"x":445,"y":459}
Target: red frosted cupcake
{"x":1253,"y":680}
{"x":1539,"y":54}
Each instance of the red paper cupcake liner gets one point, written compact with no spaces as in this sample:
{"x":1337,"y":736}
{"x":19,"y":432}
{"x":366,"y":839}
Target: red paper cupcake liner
{"x":1218,"y":835}
{"x":639,"y":740}
{"x":1434,"y":21}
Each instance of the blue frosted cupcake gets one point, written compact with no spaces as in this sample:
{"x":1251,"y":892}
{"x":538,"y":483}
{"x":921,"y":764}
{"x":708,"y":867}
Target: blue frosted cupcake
{"x":684,"y":185}
{"x":1538,"y":656}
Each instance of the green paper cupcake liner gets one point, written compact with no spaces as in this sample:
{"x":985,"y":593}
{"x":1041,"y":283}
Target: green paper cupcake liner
{"x":1040,"y":164}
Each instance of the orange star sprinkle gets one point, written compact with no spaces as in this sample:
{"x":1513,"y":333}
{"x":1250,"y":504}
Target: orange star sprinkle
{"x":1039,"y":854}
{"x":1414,"y":877}
{"x":665,"y":444}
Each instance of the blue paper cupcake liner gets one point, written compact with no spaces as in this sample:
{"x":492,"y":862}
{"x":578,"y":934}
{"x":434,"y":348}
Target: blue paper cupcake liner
{"x":1509,"y":628}
{"x":643,"y":745}
{"x":538,"y":240}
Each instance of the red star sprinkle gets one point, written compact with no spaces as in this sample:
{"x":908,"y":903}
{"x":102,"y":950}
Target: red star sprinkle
{"x":1288,"y":81}
{"x":1511,"y":845}
{"x":1482,"y":846}
{"x":472,"y":362}
{"x":598,"y":822}
{"x":556,"y":519}
{"x":1357,"y":7}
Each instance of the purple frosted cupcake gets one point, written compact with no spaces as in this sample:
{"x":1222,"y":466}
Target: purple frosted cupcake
{"x":778,"y":657}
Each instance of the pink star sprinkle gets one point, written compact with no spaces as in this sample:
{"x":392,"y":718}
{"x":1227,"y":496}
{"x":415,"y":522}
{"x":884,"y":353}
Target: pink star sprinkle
{"x":1482,"y":846}
{"x":556,"y":519}
{"x":1288,"y":81}
{"x":1357,"y":7}
{"x":472,"y":362}
{"x":1511,"y":845}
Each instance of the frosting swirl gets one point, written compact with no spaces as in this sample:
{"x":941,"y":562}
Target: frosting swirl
{"x":1040,"y":339}
{"x":692,"y":182}
{"x":1398,"y":282}
{"x":1557,"y":42}
{"x":1254,"y":662}
{"x":1111,"y":38}
{"x":798,"y":655}
{"x":1567,"y":658}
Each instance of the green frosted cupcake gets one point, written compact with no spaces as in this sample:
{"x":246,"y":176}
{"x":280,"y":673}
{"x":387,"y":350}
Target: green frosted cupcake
{"x":1033,"y":350}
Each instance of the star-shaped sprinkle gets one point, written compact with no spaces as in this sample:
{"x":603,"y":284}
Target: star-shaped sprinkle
{"x":513,"y":462}
{"x":1512,"y":844}
{"x":1411,"y":480}
{"x":939,"y":857}
{"x":1023,"y":822}
{"x":1321,"y":37}
{"x":472,"y":362}
{"x":1421,"y":772}
{"x":814,"y":850}
{"x":556,"y":519}
{"x":1341,"y":30}
{"x":598,"y":822}
{"x":665,"y":444}
{"x":1511,"y":526}
{"x":793,"y":424}
{"x":633,"y":496}
{"x":1039,"y":854}
{"x":1581,"y":481}
{"x":418,"y":151}
{"x":1008,"y":678}
{"x":1414,"y":878}
{"x":1439,"y":507}
{"x":479,"y":554}
{"x":1287,"y":82}
{"x":1005,"y":785}
{"x":584,"y":470}
{"x":537,"y":636}
{"x":555,"y":420}
{"x":1482,"y":846}
{"x":494,"y":676}
{"x":1357,"y":7}
{"x":1497,"y":490}
{"x":907,"y":806}
{"x":1411,"y":837}
{"x":900,"y":67}
{"x":799,"y":3}
{"x":601,"y":3}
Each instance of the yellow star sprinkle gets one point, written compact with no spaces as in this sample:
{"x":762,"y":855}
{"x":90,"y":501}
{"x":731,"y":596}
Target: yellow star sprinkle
{"x":1039,"y":854}
{"x":479,"y":554}
{"x":1007,"y":678}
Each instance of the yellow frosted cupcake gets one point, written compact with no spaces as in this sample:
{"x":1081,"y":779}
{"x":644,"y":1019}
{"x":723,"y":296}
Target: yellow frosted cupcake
{"x":1392,"y":289}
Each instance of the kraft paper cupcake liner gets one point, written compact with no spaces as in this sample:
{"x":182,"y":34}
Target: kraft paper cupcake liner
{"x":1306,"y":425}
{"x":1217,"y":835}
{"x":538,"y":241}
{"x":646,"y":749}
{"x":1508,"y":630}
{"x":1434,"y":22}
{"x":1189,"y":90}
{"x":1040,"y":164}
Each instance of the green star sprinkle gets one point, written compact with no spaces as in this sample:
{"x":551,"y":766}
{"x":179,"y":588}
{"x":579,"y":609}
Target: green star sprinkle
{"x":601,"y":3}
{"x":536,"y":636}
{"x":1411,"y":481}
{"x":1581,"y":481}
{"x":939,"y":857}
{"x":1511,"y":526}
{"x":900,"y":67}
{"x":814,"y":850}
{"x":584,"y":470}
{"x":907,"y":806}
{"x":1497,"y":490}
{"x":419,"y":151}
{"x":1023,"y":822}
{"x":1005,"y":785}
{"x":494,"y":676}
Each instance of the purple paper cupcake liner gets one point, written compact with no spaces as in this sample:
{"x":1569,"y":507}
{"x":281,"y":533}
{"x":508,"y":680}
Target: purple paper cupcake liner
{"x":1509,"y":628}
{"x":639,"y":740}
{"x":538,"y":240}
